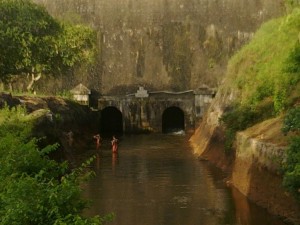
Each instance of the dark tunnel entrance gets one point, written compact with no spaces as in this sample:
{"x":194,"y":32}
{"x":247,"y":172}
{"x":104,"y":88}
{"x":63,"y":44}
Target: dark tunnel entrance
{"x":111,"y":122}
{"x":172,"y":120}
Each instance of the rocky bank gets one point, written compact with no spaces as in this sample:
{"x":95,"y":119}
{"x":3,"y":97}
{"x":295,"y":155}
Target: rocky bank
{"x":254,"y":167}
{"x":56,"y":117}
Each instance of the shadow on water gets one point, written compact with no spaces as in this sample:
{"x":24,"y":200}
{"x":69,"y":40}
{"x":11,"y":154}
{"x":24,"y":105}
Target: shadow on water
{"x":155,"y":179}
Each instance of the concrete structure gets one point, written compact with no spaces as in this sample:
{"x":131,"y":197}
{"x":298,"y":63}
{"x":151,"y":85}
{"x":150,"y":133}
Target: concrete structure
{"x":159,"y":111}
{"x":81,"y":94}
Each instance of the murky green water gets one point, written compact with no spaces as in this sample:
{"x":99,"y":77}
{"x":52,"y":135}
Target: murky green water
{"x":156,"y":180}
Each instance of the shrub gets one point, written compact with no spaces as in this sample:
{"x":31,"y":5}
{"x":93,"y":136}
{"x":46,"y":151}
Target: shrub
{"x":291,"y":178}
{"x":236,"y":120}
{"x":35,"y":189}
{"x":291,"y":168}
{"x":292,"y":121}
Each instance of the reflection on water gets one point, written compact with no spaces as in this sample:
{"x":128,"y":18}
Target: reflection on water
{"x":155,"y":180}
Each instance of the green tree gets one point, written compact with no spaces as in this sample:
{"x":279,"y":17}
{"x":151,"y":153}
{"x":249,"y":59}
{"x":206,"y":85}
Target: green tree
{"x":75,"y":45}
{"x":27,"y":34}
{"x":33,"y":44}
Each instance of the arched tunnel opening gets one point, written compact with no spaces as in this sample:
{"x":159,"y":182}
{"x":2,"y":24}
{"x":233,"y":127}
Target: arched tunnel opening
{"x":172,"y":120}
{"x":111,"y":122}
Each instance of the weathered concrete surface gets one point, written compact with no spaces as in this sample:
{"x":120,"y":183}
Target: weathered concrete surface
{"x":144,"y":111}
{"x":163,"y":44}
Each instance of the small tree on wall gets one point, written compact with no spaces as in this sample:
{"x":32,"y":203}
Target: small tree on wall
{"x":290,"y":4}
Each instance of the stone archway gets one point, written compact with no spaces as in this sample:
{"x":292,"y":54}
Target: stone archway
{"x":111,"y":122}
{"x":172,"y":120}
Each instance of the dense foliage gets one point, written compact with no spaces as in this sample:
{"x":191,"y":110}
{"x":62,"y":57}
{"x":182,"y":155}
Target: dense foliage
{"x":265,"y":68}
{"x":291,"y":4}
{"x":238,"y":119}
{"x":241,"y":117}
{"x":265,"y":74}
{"x":33,"y":43}
{"x":292,"y":165}
{"x":35,"y":189}
{"x":26,"y":37}
{"x":292,"y":121}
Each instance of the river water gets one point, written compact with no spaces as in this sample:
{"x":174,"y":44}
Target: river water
{"x":156,"y":180}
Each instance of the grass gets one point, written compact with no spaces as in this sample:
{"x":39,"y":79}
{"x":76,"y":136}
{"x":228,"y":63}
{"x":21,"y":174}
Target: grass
{"x":258,"y":70}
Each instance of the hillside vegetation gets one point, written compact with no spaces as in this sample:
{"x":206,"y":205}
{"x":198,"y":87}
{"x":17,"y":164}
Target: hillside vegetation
{"x":268,"y":68}
{"x":264,"y":77}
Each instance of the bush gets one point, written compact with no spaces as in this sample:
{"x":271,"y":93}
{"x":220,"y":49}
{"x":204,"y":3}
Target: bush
{"x":292,"y":121}
{"x":290,"y":4}
{"x":291,"y":168}
{"x":293,"y":61}
{"x":34,"y":188}
{"x":291,"y":178}
{"x":236,"y":120}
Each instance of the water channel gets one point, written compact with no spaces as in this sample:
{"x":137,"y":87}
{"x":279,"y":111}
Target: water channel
{"x":156,"y":180}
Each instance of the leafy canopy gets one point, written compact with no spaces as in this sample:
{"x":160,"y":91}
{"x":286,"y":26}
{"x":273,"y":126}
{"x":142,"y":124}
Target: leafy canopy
{"x":27,"y":38}
{"x":34,"y":43}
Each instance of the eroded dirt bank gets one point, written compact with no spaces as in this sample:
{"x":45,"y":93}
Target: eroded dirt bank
{"x":254,"y":167}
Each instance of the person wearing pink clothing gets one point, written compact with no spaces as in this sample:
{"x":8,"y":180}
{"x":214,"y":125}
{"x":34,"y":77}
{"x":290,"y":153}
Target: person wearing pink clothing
{"x":114,"y":144}
{"x":98,"y":140}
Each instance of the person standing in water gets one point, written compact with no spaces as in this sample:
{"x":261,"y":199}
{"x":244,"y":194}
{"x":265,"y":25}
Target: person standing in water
{"x":114,"y":144}
{"x":98,"y":141}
